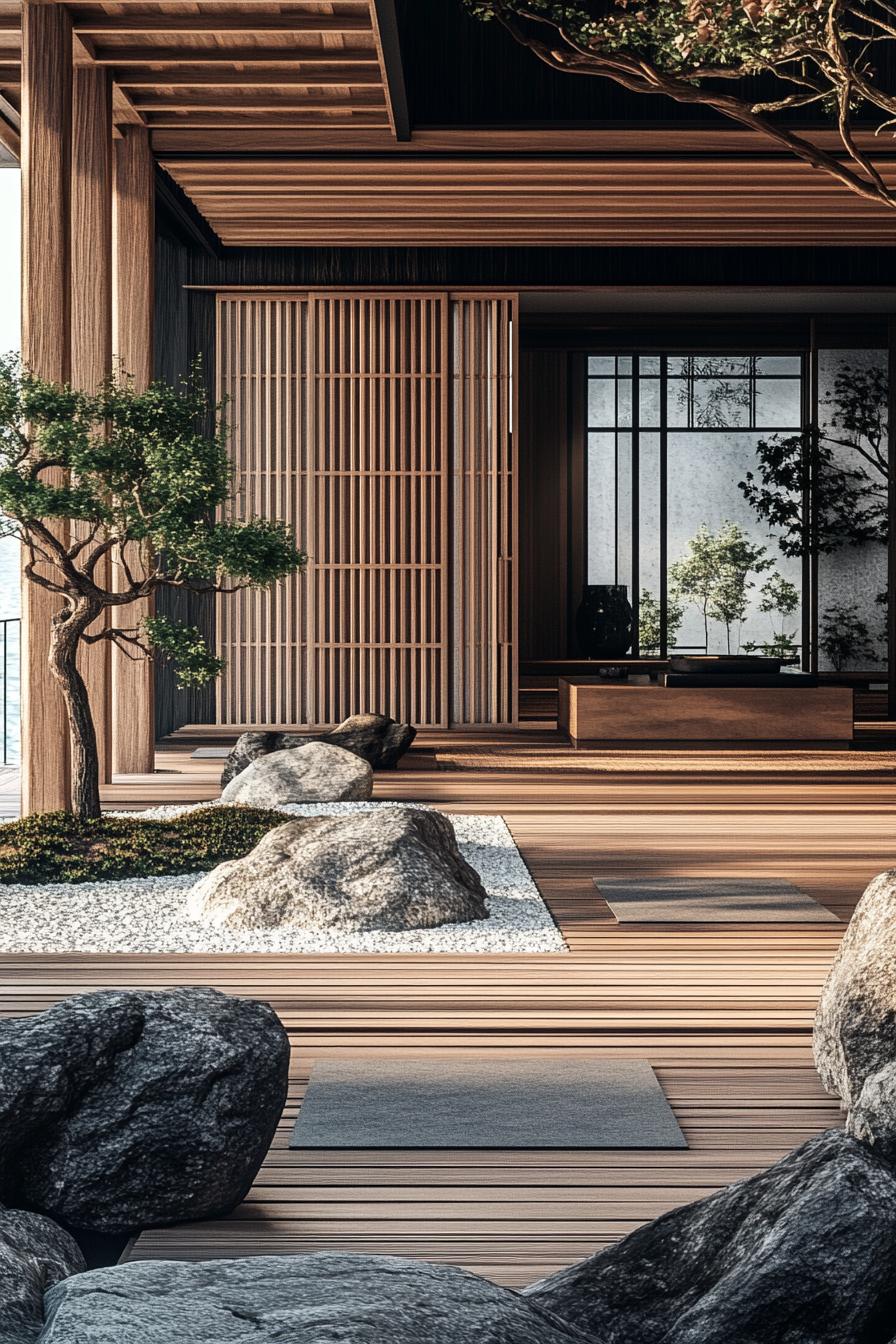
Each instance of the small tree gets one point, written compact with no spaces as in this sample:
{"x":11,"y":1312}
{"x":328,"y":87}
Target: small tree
{"x":715,"y":574}
{"x":778,"y":597}
{"x":650,"y":624}
{"x":844,"y":637}
{"x":135,"y":477}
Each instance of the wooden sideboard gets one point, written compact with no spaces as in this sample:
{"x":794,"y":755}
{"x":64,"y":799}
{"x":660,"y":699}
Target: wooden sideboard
{"x":593,"y":710}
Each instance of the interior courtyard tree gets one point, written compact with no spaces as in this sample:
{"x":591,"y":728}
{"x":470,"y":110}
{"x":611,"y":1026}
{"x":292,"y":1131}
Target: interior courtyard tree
{"x":116,"y":496}
{"x":716,"y":573}
{"x":768,"y":65}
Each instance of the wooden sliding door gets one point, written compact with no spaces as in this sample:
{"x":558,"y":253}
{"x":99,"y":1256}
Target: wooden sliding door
{"x":378,"y":529}
{"x":261,"y":358}
{"x":484,"y":565}
{"x":380,"y":428}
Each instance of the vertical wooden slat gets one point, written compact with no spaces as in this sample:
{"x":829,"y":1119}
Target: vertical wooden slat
{"x":91,"y":323}
{"x":485,"y":510}
{"x":133,"y":224}
{"x":46,"y":147}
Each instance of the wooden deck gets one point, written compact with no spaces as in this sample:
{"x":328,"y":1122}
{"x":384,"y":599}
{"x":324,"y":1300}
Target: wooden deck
{"x":723,"y":1013}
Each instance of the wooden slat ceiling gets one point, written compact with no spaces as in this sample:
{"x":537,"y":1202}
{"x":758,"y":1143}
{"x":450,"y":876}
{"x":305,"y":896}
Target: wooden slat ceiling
{"x":570,"y":202}
{"x":316,"y":64}
{"x":287,"y":125}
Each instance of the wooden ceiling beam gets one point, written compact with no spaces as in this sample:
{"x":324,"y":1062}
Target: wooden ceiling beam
{"x":388,"y":46}
{"x":296,"y":57}
{"x":286,"y":78}
{"x":111,"y":25}
{"x":235,"y":119}
{"x":372,"y":101}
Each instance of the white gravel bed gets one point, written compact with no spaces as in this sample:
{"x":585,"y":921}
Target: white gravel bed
{"x":148,"y":914}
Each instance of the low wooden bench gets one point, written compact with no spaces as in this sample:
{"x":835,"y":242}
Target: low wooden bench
{"x":593,"y":710}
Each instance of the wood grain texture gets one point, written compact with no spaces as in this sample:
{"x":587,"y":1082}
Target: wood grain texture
{"x":484,"y":571}
{"x":570,"y":202}
{"x":91,"y":319}
{"x":133,"y":252}
{"x":723,"y":1015}
{"x":594,"y":711}
{"x":46,"y":159}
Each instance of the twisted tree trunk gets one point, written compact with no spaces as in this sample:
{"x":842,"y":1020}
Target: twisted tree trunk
{"x":68,"y":627}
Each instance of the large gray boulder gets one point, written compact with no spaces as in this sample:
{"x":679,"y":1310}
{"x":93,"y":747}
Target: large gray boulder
{"x":125,"y":1110}
{"x":314,"y":773}
{"x":855,"y":1024}
{"x":388,"y":868}
{"x":34,"y":1255}
{"x":804,"y":1253}
{"x":376,"y":738}
{"x":341,"y":1299}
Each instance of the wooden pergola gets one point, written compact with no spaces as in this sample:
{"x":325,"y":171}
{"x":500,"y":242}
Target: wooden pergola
{"x":288,"y":125}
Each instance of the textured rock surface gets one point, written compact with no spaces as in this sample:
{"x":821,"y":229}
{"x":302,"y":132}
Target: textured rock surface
{"x":872,"y":1118}
{"x":34,"y":1254}
{"x":390,"y":868}
{"x":855,"y":1025}
{"x":376,"y":738}
{"x":804,"y":1253}
{"x":313,"y":773}
{"x":127,"y":1110}
{"x":315,"y":1298}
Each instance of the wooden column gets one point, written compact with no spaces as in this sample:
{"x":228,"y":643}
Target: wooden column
{"x":46,"y":150}
{"x":91,"y":314}
{"x":133,"y":248}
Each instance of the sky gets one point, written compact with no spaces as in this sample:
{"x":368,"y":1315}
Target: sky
{"x":10,"y":234}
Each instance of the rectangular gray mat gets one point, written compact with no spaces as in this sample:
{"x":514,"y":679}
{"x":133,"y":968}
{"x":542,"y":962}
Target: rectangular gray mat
{"x":210,"y":753}
{"x":566,"y":1103}
{"x":710,"y":900}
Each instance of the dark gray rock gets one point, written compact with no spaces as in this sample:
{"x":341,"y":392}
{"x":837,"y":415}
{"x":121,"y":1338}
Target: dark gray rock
{"x":804,"y":1253}
{"x":313,"y":773}
{"x":855,"y":1024}
{"x":376,"y":738}
{"x":34,"y":1255}
{"x":390,"y":868}
{"x":337,"y":1299}
{"x":124,"y":1110}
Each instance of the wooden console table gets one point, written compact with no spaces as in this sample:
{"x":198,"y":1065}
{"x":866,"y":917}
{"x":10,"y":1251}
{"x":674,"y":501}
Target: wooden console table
{"x":593,"y":710}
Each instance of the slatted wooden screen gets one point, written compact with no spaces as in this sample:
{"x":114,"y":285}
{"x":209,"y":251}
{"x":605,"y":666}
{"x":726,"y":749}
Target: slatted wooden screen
{"x":262,"y":635}
{"x":380,"y":428}
{"x":378,"y":532}
{"x":485,"y":485}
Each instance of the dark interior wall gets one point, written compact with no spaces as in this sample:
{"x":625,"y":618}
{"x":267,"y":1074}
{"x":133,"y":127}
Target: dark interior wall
{"x":185,"y":328}
{"x":544,"y":501}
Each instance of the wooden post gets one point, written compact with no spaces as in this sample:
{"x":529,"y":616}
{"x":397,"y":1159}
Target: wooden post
{"x":46,"y":162}
{"x":133,"y":247}
{"x":91,"y":315}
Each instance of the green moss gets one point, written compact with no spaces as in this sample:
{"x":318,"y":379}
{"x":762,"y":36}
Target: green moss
{"x":57,"y":847}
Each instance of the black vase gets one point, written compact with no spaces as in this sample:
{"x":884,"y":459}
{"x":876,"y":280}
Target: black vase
{"x":604,"y":621}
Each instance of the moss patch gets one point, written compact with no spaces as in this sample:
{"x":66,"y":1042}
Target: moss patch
{"x":57,"y":847}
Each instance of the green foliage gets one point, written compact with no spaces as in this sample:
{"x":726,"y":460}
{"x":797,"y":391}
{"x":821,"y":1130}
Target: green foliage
{"x":844,"y":637}
{"x":649,"y":622}
{"x":57,"y":847}
{"x":778,"y":598}
{"x":195,"y":664}
{"x":715,"y":574}
{"x":678,"y":37}
{"x":141,"y":467}
{"x":850,"y":474}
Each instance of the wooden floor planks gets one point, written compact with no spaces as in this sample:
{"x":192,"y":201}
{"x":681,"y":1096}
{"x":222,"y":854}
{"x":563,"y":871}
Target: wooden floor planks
{"x":723,"y":1012}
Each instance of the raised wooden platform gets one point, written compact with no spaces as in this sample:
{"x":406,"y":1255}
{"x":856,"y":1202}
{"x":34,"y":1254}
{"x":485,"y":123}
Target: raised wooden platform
{"x":723,"y":1013}
{"x":594,"y":710}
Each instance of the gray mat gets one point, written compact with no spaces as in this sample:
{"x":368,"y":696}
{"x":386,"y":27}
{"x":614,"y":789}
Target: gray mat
{"x":210,"y":753}
{"x":710,"y":900}
{"x":566,"y":1103}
